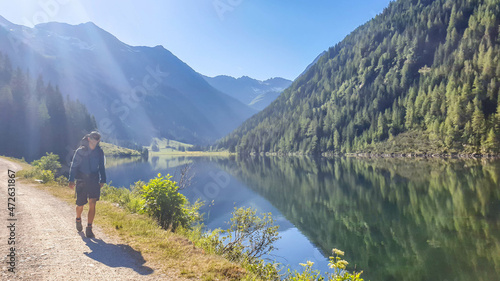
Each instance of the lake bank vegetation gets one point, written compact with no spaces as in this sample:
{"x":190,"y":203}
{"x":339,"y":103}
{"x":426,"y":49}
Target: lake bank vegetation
{"x":158,"y":221}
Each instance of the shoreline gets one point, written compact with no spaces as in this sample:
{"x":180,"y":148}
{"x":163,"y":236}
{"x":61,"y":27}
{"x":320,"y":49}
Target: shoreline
{"x":327,"y":155}
{"x":191,"y":153}
{"x":388,"y":155}
{"x":417,"y":155}
{"x":170,"y":255}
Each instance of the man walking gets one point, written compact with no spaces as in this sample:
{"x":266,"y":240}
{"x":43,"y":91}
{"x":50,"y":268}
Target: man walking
{"x":87,"y":168}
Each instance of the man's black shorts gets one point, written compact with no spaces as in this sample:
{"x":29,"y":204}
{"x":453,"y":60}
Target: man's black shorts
{"x":88,"y":188}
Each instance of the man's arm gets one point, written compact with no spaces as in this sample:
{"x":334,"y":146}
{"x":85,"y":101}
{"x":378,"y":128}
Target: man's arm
{"x":77,"y":159}
{"x":102,"y":169}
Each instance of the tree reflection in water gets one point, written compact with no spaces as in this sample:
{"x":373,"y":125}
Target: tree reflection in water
{"x":396,"y":219}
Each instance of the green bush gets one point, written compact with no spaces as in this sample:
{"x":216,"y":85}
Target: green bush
{"x":265,"y":271}
{"x":163,"y":202}
{"x":44,"y":169}
{"x":209,"y":241}
{"x":62,"y":181}
{"x":250,"y":234}
{"x":247,"y":239}
{"x":49,"y":163}
{"x":38,"y":174}
{"x":128,"y":199}
{"x":47,"y":176}
{"x":159,"y":199}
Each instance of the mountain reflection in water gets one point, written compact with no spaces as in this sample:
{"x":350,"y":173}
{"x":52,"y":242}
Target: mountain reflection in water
{"x":396,"y":219}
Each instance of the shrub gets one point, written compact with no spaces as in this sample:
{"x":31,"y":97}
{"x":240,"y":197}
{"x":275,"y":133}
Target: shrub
{"x":250,"y":234}
{"x":247,"y":239}
{"x":49,"y":163}
{"x":62,"y":181}
{"x":46,"y":176}
{"x":44,"y":169}
{"x":128,"y":199}
{"x":163,"y":202}
{"x":265,"y":271}
{"x":209,"y":241}
{"x":38,"y":174}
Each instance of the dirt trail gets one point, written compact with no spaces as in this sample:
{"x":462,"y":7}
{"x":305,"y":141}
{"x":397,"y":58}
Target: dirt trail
{"x":48,"y":247}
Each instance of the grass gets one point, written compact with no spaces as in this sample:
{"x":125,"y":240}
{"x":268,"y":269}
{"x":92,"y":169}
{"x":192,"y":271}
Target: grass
{"x":21,"y":162}
{"x":171,"y":147}
{"x":166,"y":145}
{"x":163,"y":250}
{"x":114,"y":150}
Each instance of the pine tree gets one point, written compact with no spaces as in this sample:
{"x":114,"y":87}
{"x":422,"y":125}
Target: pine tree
{"x":492,"y":143}
{"x":434,"y":70}
{"x":35,"y":116}
{"x":496,"y":122}
{"x":478,"y":123}
{"x":336,"y":140}
{"x":381,"y":127}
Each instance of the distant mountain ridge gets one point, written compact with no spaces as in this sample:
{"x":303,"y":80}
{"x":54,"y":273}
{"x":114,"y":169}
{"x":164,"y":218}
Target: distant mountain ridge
{"x":134,"y":92}
{"x":423,"y":71}
{"x":255,"y":93}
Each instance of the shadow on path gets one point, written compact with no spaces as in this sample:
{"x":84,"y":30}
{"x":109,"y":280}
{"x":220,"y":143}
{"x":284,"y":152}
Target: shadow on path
{"x":116,"y":255}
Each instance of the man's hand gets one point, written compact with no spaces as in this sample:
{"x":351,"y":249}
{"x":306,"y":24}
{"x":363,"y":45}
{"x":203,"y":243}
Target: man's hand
{"x":71,"y":184}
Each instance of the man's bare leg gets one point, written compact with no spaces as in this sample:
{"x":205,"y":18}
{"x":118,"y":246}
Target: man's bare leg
{"x":79,"y":210}
{"x":92,"y":203}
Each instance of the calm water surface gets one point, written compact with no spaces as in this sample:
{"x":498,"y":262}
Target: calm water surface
{"x":396,"y":219}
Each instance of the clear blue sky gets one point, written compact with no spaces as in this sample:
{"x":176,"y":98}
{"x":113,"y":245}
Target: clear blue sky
{"x":257,"y":38}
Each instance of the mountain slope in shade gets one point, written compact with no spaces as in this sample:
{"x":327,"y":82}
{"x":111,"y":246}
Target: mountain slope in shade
{"x":135,"y":93}
{"x":255,"y":93}
{"x":424,"y":71}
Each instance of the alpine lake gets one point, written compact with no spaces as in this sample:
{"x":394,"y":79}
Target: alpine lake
{"x":395,"y":218}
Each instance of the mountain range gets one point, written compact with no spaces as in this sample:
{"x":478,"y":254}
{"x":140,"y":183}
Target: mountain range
{"x":254,"y":93}
{"x":134,"y":92}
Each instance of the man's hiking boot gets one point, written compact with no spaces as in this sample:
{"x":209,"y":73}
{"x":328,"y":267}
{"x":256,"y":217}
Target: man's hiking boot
{"x":79,"y":225}
{"x":89,"y":233}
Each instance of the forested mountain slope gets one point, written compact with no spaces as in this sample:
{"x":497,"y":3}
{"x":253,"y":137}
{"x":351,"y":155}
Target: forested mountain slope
{"x":35,"y":118}
{"x":135,"y":92}
{"x":425,"y":66}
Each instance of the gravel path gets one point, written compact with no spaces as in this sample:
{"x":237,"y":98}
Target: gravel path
{"x":48,"y":247}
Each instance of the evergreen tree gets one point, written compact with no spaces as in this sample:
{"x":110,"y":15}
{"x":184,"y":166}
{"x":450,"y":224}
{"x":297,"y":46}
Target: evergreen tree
{"x":492,"y":143}
{"x":430,"y":67}
{"x":34,"y":116}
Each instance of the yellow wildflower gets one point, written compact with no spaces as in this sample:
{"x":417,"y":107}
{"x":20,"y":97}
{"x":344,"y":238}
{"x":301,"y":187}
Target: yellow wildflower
{"x":338,"y":252}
